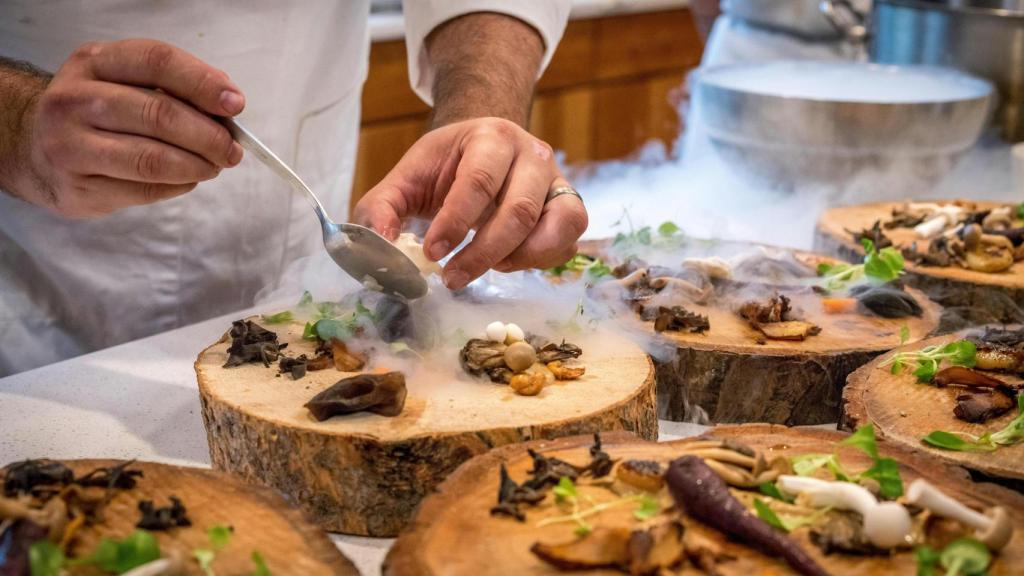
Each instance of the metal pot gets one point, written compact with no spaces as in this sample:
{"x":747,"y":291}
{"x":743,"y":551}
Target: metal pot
{"x":983,"y":37}
{"x":798,"y":17}
{"x":798,"y":122}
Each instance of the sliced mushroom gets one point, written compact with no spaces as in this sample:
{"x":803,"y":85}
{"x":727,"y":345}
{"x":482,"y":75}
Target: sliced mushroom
{"x":643,"y":474}
{"x":993,"y":254}
{"x":567,"y":369}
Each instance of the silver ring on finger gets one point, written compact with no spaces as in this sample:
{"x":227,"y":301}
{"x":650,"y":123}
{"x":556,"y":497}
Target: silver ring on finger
{"x":560,"y":191}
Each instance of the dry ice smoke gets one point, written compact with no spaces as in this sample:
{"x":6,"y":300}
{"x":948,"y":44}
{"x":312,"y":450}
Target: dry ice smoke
{"x":709,"y":197}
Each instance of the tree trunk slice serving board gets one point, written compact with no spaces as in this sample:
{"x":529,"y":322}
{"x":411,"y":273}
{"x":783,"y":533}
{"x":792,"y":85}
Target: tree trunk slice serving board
{"x":725,"y":376}
{"x":904,"y":411}
{"x":999,"y":295}
{"x":454,"y":534}
{"x":261,"y":519}
{"x":364,"y":473}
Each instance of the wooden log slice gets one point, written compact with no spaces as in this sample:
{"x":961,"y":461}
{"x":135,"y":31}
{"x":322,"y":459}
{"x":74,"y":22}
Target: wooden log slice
{"x":971,"y":296}
{"x":725,"y":376}
{"x":904,"y":411}
{"x":454,"y":534}
{"x":365,"y":474}
{"x":261,"y":519}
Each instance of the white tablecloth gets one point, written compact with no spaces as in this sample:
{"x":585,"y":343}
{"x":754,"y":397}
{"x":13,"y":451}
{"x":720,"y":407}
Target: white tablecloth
{"x":140,"y":400}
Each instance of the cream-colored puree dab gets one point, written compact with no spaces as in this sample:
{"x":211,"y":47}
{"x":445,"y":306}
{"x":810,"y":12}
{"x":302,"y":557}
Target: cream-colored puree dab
{"x":411,"y":247}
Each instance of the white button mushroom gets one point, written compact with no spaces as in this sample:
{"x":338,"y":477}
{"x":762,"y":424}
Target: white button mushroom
{"x":993,"y":528}
{"x":496,"y":331}
{"x":886,"y":524}
{"x":514,"y":333}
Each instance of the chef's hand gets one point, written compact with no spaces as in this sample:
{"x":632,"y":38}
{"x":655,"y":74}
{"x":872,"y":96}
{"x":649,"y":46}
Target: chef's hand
{"x":126,"y":123}
{"x":486,"y":174}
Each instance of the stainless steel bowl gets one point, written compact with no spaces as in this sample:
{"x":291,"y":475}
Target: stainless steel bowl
{"x":791,"y":122}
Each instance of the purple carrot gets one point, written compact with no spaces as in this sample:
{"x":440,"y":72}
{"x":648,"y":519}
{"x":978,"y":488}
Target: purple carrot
{"x":702,"y":494}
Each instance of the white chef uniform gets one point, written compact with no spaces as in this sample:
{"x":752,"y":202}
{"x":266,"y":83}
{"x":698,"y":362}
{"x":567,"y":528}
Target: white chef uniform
{"x":69,"y":287}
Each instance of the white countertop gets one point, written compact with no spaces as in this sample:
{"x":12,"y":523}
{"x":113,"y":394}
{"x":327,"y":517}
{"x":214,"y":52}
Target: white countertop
{"x":141,"y":400}
{"x":386,"y":26}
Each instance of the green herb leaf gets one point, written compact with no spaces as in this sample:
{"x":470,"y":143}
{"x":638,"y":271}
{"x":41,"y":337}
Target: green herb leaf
{"x":309,"y":331}
{"x":45,"y":558}
{"x":867,"y":245}
{"x":205,"y":558}
{"x":643,"y":235}
{"x":927,"y":559}
{"x":965,"y":557}
{"x":668,"y":228}
{"x":306,"y":300}
{"x":118,"y":556}
{"x":219,"y":536}
{"x":807,"y":464}
{"x":864,"y":440}
{"x":824,"y":269}
{"x":648,"y":508}
{"x":599,"y":269}
{"x":904,"y":336}
{"x":583,"y":529}
{"x":1020,"y":211}
{"x":770,"y":489}
{"x":886,"y":472}
{"x":961,"y":353}
{"x":884,"y":266}
{"x":949,"y":441}
{"x":1013,"y":433}
{"x":279,"y":318}
{"x":768,"y":515}
{"x":565,"y":489}
{"x":261,"y":565}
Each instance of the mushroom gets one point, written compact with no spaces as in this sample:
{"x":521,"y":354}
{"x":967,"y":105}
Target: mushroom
{"x":496,"y":331}
{"x":514,"y":334}
{"x":520,"y":356}
{"x":886,"y":524}
{"x":382,"y":394}
{"x":940,"y":219}
{"x":527,"y":384}
{"x":993,"y":254}
{"x":409,"y":245}
{"x":685,"y":287}
{"x":998,"y":219}
{"x":712,"y":267}
{"x":993,"y":528}
{"x":566,"y":369}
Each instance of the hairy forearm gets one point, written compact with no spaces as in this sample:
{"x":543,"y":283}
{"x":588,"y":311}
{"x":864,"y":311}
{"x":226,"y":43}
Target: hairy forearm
{"x":20,"y":85}
{"x":485,"y":64}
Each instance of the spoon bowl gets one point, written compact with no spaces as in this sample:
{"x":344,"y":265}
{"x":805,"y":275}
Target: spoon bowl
{"x":360,"y":252}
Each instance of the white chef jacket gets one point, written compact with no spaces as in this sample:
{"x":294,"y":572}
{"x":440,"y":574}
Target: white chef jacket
{"x":69,"y":287}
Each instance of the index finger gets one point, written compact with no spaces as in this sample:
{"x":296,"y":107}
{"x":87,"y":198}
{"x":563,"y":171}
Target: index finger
{"x":153,"y":64}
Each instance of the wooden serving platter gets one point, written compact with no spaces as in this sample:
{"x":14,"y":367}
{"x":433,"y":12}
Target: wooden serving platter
{"x":364,"y":473}
{"x":261,"y":520}
{"x":725,"y":376}
{"x":454,"y":534}
{"x":904,"y":411}
{"x":999,"y":294}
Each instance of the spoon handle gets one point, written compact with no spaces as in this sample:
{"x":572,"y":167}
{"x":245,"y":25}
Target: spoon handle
{"x":265,"y":155}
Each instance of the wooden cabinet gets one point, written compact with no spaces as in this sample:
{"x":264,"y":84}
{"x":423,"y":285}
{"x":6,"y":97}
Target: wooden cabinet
{"x":614,"y":83}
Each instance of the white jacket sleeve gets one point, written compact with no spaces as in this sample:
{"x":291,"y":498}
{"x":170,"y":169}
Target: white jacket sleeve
{"x":548,"y":17}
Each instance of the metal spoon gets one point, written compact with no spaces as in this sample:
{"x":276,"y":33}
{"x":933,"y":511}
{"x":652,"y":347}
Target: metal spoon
{"x":359,"y":251}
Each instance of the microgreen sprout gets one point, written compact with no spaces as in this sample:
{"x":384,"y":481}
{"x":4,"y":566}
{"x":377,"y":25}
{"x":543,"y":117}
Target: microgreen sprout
{"x":925,"y":362}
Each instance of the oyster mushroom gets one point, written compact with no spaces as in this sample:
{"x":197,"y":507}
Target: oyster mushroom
{"x":993,"y":528}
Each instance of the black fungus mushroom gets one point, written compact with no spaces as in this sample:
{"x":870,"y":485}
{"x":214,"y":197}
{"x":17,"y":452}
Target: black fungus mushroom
{"x":163,"y":518}
{"x":511,"y":495}
{"x":548,"y":471}
{"x":25,"y":476}
{"x":382,"y":394}
{"x":392,"y":317}
{"x":886,"y":301}
{"x":119,"y":476}
{"x":251,"y":342}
